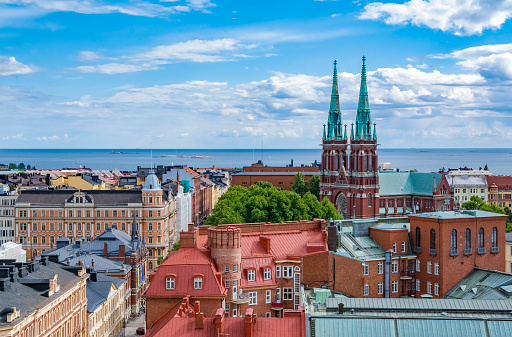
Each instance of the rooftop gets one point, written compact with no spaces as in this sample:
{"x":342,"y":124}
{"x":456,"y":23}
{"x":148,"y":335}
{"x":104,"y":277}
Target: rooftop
{"x":457,"y":214}
{"x":482,"y":284}
{"x":406,"y":183}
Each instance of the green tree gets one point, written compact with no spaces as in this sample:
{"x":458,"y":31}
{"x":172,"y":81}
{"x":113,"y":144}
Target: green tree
{"x":176,"y":245}
{"x":475,"y":203}
{"x":159,"y":260}
{"x":29,"y":167}
{"x":21,"y":166}
{"x":314,"y":185}
{"x":12,"y":166}
{"x":413,"y":170}
{"x":299,"y":186}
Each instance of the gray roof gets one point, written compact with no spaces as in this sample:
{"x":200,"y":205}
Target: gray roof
{"x":467,"y":181}
{"x":27,"y":298}
{"x":508,"y":237}
{"x":97,"y":291}
{"x":484,"y":285}
{"x":100,"y":197}
{"x":276,"y":173}
{"x":101,"y":264}
{"x":457,"y":214}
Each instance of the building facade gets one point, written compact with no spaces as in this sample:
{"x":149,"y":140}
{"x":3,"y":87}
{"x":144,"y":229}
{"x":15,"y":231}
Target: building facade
{"x":500,"y":191}
{"x":7,"y":204}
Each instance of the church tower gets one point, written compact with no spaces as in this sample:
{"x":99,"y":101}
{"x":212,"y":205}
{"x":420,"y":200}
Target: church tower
{"x":350,"y":179}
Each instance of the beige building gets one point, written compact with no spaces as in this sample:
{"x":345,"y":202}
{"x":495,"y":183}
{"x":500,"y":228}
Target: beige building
{"x":465,"y":186}
{"x":106,"y":308}
{"x":47,"y":300}
{"x":81,"y":181}
{"x":508,"y":252}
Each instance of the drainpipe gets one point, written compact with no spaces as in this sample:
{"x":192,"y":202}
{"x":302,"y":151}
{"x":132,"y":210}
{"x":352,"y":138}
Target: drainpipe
{"x":386,"y":273}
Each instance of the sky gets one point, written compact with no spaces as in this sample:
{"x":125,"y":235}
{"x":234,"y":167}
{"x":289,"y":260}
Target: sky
{"x":208,"y":74}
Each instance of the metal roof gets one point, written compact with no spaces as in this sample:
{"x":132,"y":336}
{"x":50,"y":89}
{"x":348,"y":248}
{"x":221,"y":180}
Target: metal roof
{"x":406,"y":183}
{"x":484,"y":285}
{"x":305,"y":173}
{"x":457,"y":214}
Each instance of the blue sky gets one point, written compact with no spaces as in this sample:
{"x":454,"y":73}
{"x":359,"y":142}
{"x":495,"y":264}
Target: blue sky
{"x":234,"y":74}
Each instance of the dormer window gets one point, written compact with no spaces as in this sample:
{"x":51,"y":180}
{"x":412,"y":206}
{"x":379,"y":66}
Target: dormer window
{"x":170,"y":282}
{"x":198,"y":282}
{"x":266,"y":274}
{"x":251,"y":275}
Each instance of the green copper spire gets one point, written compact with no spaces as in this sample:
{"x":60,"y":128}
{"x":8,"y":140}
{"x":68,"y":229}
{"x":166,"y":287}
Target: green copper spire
{"x":345,"y":136}
{"x":323,"y":137}
{"x":334,"y":119}
{"x":352,"y":132}
{"x":363,"y":119}
{"x":374,"y":131}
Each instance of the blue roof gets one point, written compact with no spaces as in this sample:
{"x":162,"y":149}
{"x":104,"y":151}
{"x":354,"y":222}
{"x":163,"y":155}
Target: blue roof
{"x":97,"y":291}
{"x":399,"y":183}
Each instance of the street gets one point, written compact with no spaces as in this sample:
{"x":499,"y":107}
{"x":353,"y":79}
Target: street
{"x":133,"y":324}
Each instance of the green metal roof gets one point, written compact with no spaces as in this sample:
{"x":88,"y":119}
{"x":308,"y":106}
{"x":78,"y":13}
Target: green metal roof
{"x":483,"y":285}
{"x":444,"y":328}
{"x":399,"y":183}
{"x":329,"y":327}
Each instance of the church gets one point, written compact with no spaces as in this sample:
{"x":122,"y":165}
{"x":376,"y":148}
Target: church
{"x":350,"y":176}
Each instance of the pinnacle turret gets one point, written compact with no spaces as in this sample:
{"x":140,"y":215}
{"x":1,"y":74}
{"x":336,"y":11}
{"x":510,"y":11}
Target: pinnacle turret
{"x":334,"y":120}
{"x":363,"y":119}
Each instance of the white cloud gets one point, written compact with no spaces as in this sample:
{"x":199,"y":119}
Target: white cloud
{"x":9,"y":66}
{"x":460,"y":17}
{"x":114,"y":68}
{"x":18,"y":136}
{"x":47,"y":138}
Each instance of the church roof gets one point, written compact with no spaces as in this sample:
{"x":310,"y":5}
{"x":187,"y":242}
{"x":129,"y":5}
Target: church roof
{"x":407,"y":183}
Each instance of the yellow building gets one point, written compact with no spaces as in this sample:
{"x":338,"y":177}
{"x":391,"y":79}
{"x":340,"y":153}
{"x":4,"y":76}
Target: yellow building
{"x":83,"y":181}
{"x":47,"y":301}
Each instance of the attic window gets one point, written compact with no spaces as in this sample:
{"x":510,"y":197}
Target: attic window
{"x":251,"y":275}
{"x":198,"y":282}
{"x":170,"y":282}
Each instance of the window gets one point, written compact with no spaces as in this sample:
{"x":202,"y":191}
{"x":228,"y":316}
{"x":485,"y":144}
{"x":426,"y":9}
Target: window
{"x":369,"y":200}
{"x":226,"y":284}
{"x":296,"y":282}
{"x":403,"y":246}
{"x":417,"y":285}
{"x":266,"y":274}
{"x":481,"y":238}
{"x":278,"y":295}
{"x":60,"y":226}
{"x":34,"y":226}
{"x":123,"y":213}
{"x":436,"y":268}
{"x":429,"y":267}
{"x":436,"y":289}
{"x":150,"y":239}
{"x":34,"y":240}
{"x":253,"y":298}
{"x":226,"y":307}
{"x":123,"y":226}
{"x":467,"y":236}
{"x":79,"y":213}
{"x":159,"y":226}
{"x":418,"y":237}
{"x":429,"y":287}
{"x":226,"y":268}
{"x":287,"y":294}
{"x":150,"y":214}
{"x":394,"y":286}
{"x":366,"y":268}
{"x":150,"y":226}
{"x":433,"y":239}
{"x":380,"y":288}
{"x":235,"y":268}
{"x":287,"y":271}
{"x":417,"y":265}
{"x":394,"y":247}
{"x":380,"y":267}
{"x":494,"y":237}
{"x":114,"y":214}
{"x":234,"y":311}
{"x":70,"y":227}
{"x":453,"y":242}
{"x":366,"y":290}
{"x":52,"y":226}
{"x":43,"y":240}
{"x":98,"y":214}
{"x":198,"y":283}
{"x":268,"y":296}
{"x":251,"y":275}
{"x":268,"y":314}
{"x":278,"y":271}
{"x":394,"y":266}
{"x":98,"y":226}
{"x":170,"y":283}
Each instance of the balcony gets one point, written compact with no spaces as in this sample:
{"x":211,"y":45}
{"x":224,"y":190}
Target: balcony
{"x":278,"y":305}
{"x":432,"y":251}
{"x":481,"y":250}
{"x":454,"y":252}
{"x":495,"y":249}
{"x":468,"y":251}
{"x":243,"y":298}
{"x":417,"y":249}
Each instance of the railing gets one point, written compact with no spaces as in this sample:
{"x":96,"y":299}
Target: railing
{"x":495,"y":249}
{"x":277,"y":304}
{"x":481,"y":250}
{"x":417,"y":249}
{"x":454,"y":252}
{"x":468,"y":251}
{"x":432,"y":251}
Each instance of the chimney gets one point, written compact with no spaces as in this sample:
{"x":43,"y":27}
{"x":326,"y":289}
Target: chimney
{"x":94,"y":276}
{"x":197,"y":307}
{"x":105,"y":249}
{"x":265,"y":242}
{"x":249,"y":322}
{"x":219,"y":322}
{"x":69,"y":263}
{"x":92,"y":263}
{"x":79,"y":262}
{"x":122,"y":250}
{"x":199,"y":320}
{"x":190,"y":226}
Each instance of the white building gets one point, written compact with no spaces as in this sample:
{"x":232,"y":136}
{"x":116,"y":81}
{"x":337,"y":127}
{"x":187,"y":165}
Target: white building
{"x":11,"y":250}
{"x":184,"y":208}
{"x":7,"y":204}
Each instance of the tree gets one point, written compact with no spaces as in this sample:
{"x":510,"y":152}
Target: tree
{"x":314,"y":185}
{"x":413,"y":170}
{"x":475,"y":203}
{"x":299,"y":186}
{"x":29,"y":167}
{"x":176,"y":245}
{"x":21,"y":166}
{"x":12,"y":166}
{"x":159,"y":260}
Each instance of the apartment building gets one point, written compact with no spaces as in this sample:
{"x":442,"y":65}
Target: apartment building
{"x":7,"y":205}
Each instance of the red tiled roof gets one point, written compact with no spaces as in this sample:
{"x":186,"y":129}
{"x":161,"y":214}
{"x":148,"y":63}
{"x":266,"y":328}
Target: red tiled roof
{"x":233,"y":327}
{"x":258,"y":264}
{"x":501,"y":181}
{"x":194,"y":173}
{"x":185,"y":264}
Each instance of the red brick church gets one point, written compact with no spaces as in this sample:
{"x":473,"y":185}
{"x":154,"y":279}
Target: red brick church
{"x":350,"y":174}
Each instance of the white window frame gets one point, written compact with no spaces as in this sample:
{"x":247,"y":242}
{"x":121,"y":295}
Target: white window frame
{"x":366,"y":268}
{"x":235,"y":268}
{"x":234,"y":311}
{"x":380,"y":288}
{"x":394,"y":286}
{"x":251,"y":275}
{"x":394,"y":247}
{"x":418,"y":263}
{"x":403,"y":246}
{"x":268,"y":296}
{"x":198,"y":282}
{"x":226,"y":268}
{"x":429,"y":287}
{"x":429,"y":267}
{"x":366,"y":290}
{"x":436,"y":289}
{"x":267,"y":274}
{"x":296,"y":283}
{"x":418,"y":285}
{"x":287,"y":271}
{"x":296,"y":301}
{"x":253,"y":297}
{"x":278,"y":271}
{"x":394,"y":266}
{"x":380,"y":268}
{"x":436,"y":268}
{"x":287,"y":294}
{"x":226,"y":307}
{"x":268,"y":314}
{"x":170,"y":283}
{"x":226,"y":284}
{"x":278,"y":295}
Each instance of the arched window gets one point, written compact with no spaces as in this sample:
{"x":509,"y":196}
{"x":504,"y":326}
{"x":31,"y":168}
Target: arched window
{"x":418,"y":237}
{"x":370,"y":162}
{"x":481,"y":238}
{"x":454,"y":239}
{"x":494,"y":237}
{"x":341,"y":160}
{"x":369,"y":200}
{"x":467,"y":238}
{"x":433,"y":241}
{"x":355,"y":163}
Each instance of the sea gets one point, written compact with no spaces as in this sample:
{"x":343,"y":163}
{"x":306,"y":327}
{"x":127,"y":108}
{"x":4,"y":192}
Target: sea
{"x":499,"y":161}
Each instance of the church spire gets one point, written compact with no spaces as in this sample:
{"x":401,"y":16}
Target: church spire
{"x":363,"y":119}
{"x":334,"y":119}
{"x":135,"y":232}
